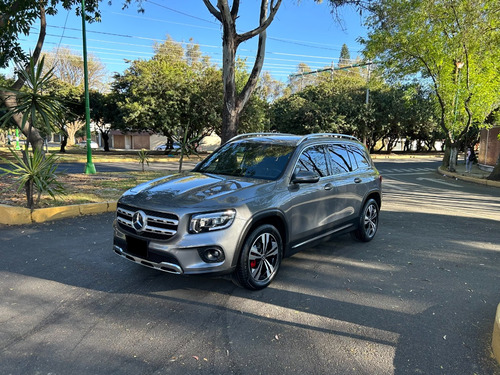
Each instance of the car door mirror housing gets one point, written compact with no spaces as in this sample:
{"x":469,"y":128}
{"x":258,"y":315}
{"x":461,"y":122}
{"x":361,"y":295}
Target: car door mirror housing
{"x":305,"y":177}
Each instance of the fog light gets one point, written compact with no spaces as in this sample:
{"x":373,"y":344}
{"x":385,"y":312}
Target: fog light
{"x":211,"y":254}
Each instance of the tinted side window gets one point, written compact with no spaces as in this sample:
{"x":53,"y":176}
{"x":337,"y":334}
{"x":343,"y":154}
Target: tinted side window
{"x":313,"y":159}
{"x":339,"y":156}
{"x":360,"y":157}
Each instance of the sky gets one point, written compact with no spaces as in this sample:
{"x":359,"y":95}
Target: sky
{"x":302,"y":31}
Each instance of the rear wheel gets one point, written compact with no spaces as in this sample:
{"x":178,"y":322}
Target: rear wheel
{"x":260,"y":257}
{"x":368,"y":222}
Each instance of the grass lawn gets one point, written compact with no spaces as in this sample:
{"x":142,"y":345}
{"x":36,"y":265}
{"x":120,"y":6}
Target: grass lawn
{"x":82,"y":188}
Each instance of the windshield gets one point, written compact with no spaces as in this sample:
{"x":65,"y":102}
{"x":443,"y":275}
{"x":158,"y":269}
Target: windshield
{"x":248,"y":159}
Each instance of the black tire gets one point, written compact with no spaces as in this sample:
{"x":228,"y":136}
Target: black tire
{"x":260,"y":258}
{"x":368,"y":222}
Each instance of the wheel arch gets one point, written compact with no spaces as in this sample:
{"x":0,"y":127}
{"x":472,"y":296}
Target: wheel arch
{"x":273,"y":217}
{"x":375,"y":195}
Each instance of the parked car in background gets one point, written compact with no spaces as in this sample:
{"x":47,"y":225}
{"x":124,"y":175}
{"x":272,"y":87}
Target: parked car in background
{"x":256,"y":199}
{"x":175,"y":147}
{"x":93,"y":145}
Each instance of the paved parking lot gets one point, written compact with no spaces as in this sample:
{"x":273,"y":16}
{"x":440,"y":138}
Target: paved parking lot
{"x":419,"y":299}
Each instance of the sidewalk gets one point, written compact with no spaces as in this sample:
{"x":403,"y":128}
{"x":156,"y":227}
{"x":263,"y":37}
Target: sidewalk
{"x":476,"y":175}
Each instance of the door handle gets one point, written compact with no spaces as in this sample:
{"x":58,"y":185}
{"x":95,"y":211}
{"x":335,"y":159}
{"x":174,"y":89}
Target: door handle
{"x":328,"y":186}
{"x":357,"y":180}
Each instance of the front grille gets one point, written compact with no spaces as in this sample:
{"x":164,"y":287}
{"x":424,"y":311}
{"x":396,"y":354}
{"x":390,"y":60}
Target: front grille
{"x":158,"y":225}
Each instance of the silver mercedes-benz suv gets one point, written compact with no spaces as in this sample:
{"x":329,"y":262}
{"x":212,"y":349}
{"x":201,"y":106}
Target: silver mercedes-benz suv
{"x":256,"y":199}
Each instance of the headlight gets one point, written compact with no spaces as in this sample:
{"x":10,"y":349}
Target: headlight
{"x":211,"y":221}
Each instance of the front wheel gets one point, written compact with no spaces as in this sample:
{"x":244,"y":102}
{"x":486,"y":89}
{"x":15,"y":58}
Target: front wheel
{"x":260,"y":257}
{"x":368,"y":222}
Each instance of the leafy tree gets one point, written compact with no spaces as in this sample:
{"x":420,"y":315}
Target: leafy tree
{"x":345,"y":56}
{"x":170,"y":93}
{"x":268,"y":88}
{"x":339,"y":105}
{"x":402,"y":111}
{"x":18,"y":17}
{"x":68,"y":67}
{"x":74,"y":103}
{"x":234,"y":99}
{"x":453,"y":45}
{"x":35,"y":110}
{"x":300,"y":80}
{"x":103,"y":112}
{"x":34,"y":107}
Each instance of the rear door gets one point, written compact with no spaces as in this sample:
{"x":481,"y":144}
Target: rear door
{"x":349,"y":181}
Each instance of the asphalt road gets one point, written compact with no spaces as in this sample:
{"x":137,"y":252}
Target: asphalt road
{"x":123,"y":167}
{"x":419,"y":299}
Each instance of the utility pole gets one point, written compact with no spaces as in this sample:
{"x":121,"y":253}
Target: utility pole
{"x":368,"y":84}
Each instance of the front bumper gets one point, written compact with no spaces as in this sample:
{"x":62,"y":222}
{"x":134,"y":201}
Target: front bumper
{"x":162,"y":266}
{"x":179,"y":255}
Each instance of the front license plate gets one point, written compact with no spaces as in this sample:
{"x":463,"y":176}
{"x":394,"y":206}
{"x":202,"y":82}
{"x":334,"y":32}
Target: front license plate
{"x":137,"y":247}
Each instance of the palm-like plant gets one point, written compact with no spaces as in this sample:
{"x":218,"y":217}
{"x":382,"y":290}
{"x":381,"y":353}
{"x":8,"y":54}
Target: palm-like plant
{"x":35,"y":172}
{"x":143,"y":158}
{"x":40,"y":111}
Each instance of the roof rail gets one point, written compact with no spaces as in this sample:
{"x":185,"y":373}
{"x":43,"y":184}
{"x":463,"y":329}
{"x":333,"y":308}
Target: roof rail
{"x":262,"y":134}
{"x":323,"y":135}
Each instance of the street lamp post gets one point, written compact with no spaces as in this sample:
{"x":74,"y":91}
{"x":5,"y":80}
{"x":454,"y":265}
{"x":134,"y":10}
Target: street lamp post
{"x":459,"y":65}
{"x":89,"y":166}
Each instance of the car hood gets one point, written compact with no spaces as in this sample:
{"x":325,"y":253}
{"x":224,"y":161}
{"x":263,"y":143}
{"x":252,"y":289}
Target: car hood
{"x":193,"y":189}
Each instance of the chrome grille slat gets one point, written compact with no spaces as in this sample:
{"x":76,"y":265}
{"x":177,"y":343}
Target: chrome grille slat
{"x":162,"y":220}
{"x":152,"y":229}
{"x":158,"y":225}
{"x":124,"y":222}
{"x":125,"y":212}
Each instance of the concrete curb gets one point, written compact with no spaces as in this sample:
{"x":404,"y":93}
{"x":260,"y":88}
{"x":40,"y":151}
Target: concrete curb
{"x":462,"y":177}
{"x":10,"y":215}
{"x":495,"y":342}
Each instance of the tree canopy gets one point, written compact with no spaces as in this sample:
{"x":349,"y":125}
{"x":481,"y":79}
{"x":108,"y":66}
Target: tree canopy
{"x":175,"y":89}
{"x":17,"y":17}
{"x":338,"y":104}
{"x":453,"y":44}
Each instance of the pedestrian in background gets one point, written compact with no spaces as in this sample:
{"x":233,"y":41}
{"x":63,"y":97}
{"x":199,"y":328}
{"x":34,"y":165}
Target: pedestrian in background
{"x":469,"y":158}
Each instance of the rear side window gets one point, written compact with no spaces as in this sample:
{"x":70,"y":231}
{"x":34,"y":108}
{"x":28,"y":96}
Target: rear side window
{"x":360,"y":157}
{"x":313,"y":159}
{"x":340,"y":159}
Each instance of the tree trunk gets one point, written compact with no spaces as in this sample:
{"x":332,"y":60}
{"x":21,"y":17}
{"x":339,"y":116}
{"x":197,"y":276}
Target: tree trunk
{"x":452,"y":166}
{"x":446,"y":156}
{"x":105,"y":138}
{"x":64,"y":142}
{"x":230,"y":115}
{"x":234,"y":103}
{"x":495,"y":174}
{"x":9,"y":98}
{"x":33,"y":135}
{"x":72,"y":128}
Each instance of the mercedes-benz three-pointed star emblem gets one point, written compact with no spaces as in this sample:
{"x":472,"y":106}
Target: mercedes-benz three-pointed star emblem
{"x":139,"y":221}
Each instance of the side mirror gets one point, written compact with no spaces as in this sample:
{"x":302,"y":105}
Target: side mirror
{"x":305,"y":177}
